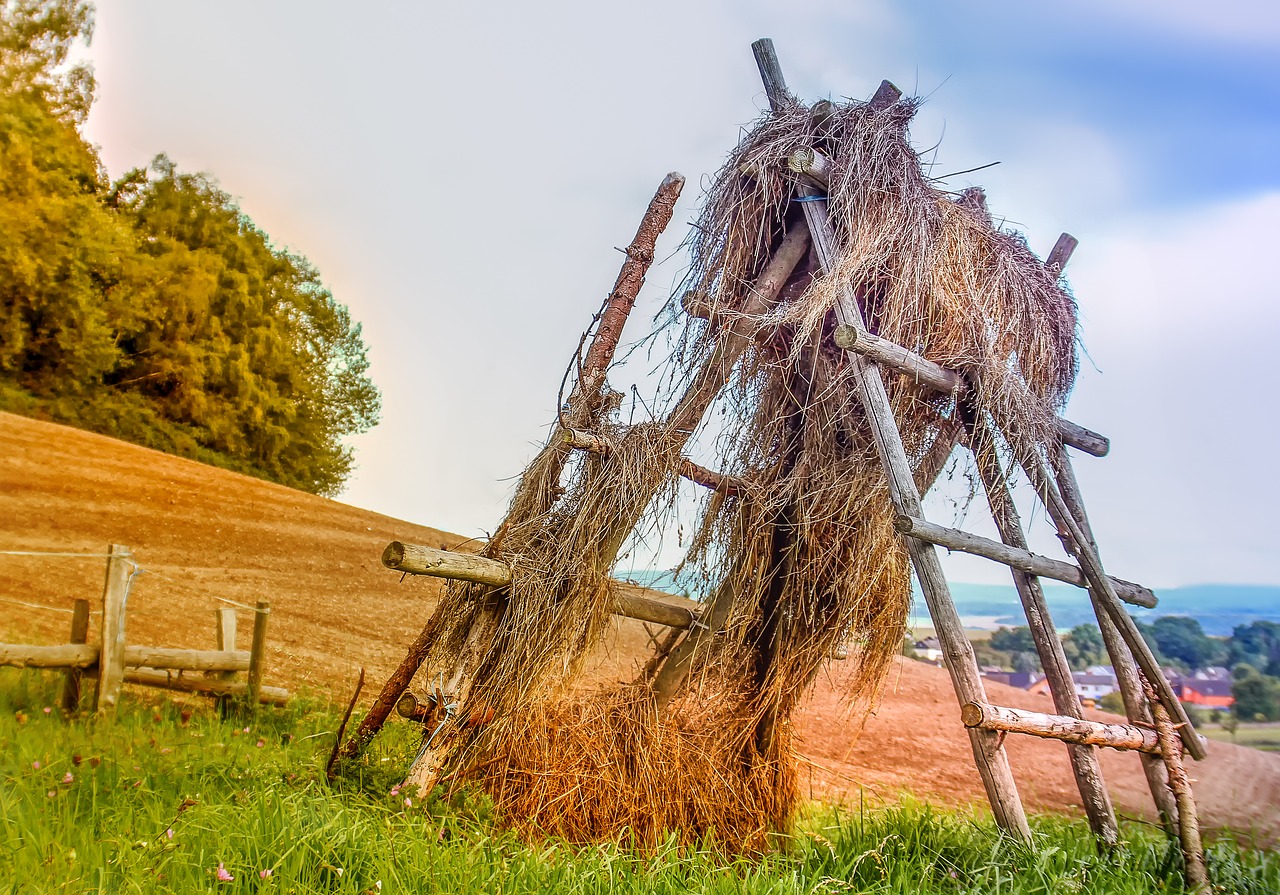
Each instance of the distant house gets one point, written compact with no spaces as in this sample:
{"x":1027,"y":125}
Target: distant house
{"x":1023,"y":680}
{"x":929,"y":650}
{"x":1208,"y":693}
{"x":1093,"y":686}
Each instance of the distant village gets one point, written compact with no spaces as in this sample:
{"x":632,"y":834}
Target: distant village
{"x":1208,"y":688}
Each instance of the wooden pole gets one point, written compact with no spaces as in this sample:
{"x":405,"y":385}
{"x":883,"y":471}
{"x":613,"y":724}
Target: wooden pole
{"x":224,"y":635}
{"x":1193,"y":867}
{"x":1071,"y":730}
{"x":1084,"y":759}
{"x":988,"y":749}
{"x":62,"y":655}
{"x":925,"y":372}
{"x":115,"y":595}
{"x":1017,"y":558}
{"x":775,"y":85}
{"x":258,"y":652}
{"x":1100,"y":586}
{"x":79,"y":634}
{"x":584,"y":403}
{"x":417,"y":560}
{"x":209,"y":686}
{"x":1126,"y":669}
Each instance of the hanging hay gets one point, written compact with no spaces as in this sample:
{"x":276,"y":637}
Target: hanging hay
{"x":804,"y":552}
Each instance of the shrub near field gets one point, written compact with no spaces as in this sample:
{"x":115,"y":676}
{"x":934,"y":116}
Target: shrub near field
{"x":169,"y":798}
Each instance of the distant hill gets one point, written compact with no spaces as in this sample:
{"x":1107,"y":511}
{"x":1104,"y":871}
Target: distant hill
{"x":1218,"y":607}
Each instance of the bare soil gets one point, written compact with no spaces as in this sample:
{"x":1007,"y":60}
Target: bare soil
{"x":209,"y":538}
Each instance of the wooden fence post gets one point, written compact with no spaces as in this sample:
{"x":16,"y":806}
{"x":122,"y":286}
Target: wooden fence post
{"x":257,"y":653}
{"x":224,"y":621}
{"x":79,"y":634}
{"x":115,"y":595}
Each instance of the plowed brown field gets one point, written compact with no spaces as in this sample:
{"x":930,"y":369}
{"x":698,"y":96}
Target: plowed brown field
{"x":208,"y":538}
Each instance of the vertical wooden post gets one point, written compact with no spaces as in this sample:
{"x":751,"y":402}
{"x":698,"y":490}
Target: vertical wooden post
{"x":79,"y":634}
{"x":224,"y":632}
{"x":257,"y":653}
{"x":1084,"y":759}
{"x":1122,"y":661}
{"x":988,"y":747}
{"x":115,"y":595}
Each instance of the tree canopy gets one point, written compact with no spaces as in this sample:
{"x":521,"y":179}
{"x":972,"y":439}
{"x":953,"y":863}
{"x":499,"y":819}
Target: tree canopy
{"x":152,"y":308}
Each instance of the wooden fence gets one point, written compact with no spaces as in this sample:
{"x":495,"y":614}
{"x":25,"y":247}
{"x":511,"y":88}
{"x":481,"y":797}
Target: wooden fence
{"x":113,"y":662}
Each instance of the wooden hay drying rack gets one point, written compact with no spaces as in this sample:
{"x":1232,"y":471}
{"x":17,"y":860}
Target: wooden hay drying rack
{"x":1158,"y":727}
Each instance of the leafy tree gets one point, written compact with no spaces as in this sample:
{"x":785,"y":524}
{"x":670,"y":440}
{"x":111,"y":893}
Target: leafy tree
{"x":1257,"y":696}
{"x":1258,"y":644}
{"x":1083,"y":647}
{"x":1013,"y":640}
{"x":1182,"y":639}
{"x":153,"y":309}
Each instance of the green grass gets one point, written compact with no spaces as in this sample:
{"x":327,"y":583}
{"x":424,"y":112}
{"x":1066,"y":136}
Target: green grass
{"x":1256,"y":736}
{"x":256,"y":801}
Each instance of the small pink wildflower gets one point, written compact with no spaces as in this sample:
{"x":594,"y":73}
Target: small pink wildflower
{"x":263,"y":874}
{"x":35,"y":765}
{"x":168,"y":834}
{"x":261,"y":743}
{"x":51,"y":793}
{"x":67,"y":778}
{"x":48,"y":710}
{"x":395,"y":790}
{"x":408,"y":802}
{"x":246,"y":730}
{"x":223,"y":875}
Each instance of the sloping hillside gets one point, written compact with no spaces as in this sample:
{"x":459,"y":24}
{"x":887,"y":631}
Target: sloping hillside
{"x":205,"y":536}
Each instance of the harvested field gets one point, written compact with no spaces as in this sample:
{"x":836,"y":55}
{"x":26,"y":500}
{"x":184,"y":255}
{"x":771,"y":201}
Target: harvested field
{"x":206,"y":535}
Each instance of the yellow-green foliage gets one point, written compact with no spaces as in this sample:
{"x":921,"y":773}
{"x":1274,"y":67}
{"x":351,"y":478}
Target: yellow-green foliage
{"x":152,"y":308}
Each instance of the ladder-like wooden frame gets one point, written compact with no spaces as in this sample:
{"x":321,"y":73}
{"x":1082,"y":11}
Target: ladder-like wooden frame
{"x":1157,"y":727}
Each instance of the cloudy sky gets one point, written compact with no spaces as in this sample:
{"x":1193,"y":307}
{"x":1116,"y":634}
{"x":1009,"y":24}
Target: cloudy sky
{"x":461,"y":173}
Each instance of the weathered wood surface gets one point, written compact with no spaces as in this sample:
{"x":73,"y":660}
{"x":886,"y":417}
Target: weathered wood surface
{"x":224,"y":633}
{"x":775,"y":85}
{"x":1084,"y":759}
{"x":925,"y":372}
{"x":86,"y":655}
{"x":627,"y":286}
{"x":584,"y":401}
{"x":258,"y":651}
{"x":417,"y":560}
{"x":79,"y":634}
{"x":62,"y":655}
{"x":1137,"y":709}
{"x":186,"y":659}
{"x":1022,"y":560}
{"x":115,"y":594}
{"x":210,"y":686}
{"x":1060,"y":254}
{"x":1193,"y":866}
{"x":958,"y":656}
{"x":1059,"y":727}
{"x":1042,"y":479}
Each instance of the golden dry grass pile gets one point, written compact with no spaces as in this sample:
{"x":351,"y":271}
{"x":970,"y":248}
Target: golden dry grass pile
{"x":802,"y":557}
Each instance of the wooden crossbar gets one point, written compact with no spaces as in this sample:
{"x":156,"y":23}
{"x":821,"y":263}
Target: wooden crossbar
{"x":1014,"y":557}
{"x":940,"y":379}
{"x":415,"y":559}
{"x":1060,"y":727}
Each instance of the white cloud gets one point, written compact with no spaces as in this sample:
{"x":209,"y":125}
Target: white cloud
{"x":1252,"y":22}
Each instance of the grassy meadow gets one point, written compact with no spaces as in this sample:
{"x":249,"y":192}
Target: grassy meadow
{"x":171,"y":798}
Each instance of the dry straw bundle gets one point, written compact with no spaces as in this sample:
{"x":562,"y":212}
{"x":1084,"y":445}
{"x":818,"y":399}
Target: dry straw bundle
{"x":802,"y":557}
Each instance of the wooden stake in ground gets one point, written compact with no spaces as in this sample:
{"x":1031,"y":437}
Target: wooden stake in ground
{"x":115,"y":594}
{"x":1193,"y":866}
{"x":79,"y":634}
